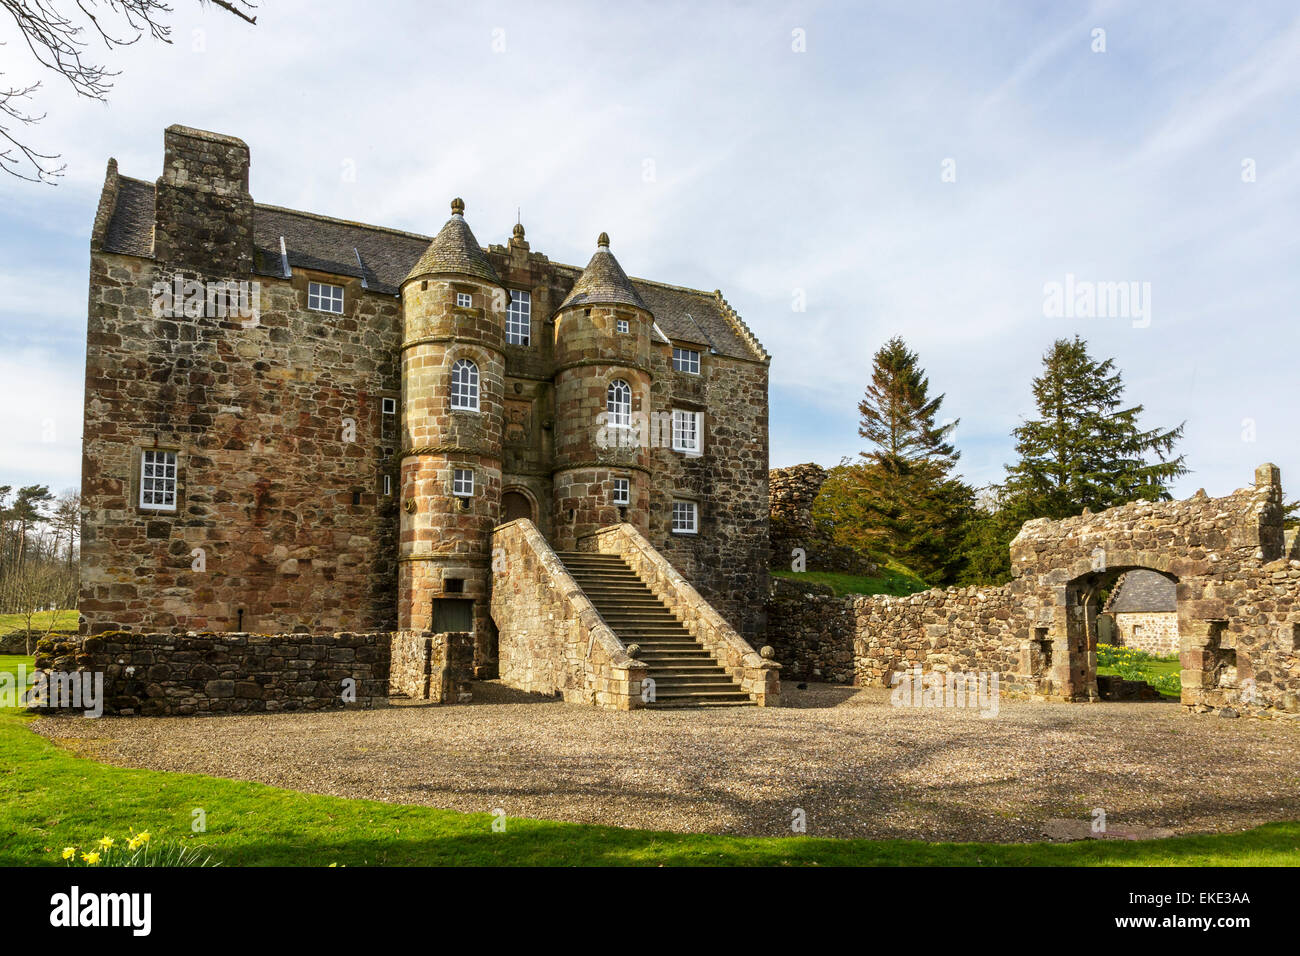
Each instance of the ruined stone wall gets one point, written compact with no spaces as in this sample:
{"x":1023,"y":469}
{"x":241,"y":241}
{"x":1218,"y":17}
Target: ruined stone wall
{"x":811,"y":632}
{"x":958,"y":629}
{"x":1153,"y":632}
{"x":436,"y":667}
{"x":186,"y":674}
{"x":791,"y":494}
{"x":281,"y":521}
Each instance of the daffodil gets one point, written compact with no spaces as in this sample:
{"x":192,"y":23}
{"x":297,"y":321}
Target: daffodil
{"x":106,"y":842}
{"x":90,"y":858}
{"x":69,"y":852}
{"x":137,"y":841}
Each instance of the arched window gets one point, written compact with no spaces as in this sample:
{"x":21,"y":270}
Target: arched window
{"x":618,"y":402}
{"x":464,"y":385}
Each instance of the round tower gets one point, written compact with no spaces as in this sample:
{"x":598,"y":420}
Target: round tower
{"x":603,"y":403}
{"x":453,"y":384}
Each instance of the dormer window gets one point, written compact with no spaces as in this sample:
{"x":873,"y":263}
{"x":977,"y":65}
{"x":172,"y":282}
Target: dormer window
{"x":464,"y":300}
{"x":519,"y":318}
{"x":686,"y":360}
{"x":322,"y":297}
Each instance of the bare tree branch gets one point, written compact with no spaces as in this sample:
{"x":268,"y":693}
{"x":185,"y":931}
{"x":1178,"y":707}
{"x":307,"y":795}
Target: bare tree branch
{"x":58,"y":43}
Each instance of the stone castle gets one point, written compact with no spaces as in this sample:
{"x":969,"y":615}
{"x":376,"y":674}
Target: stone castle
{"x":297,"y":424}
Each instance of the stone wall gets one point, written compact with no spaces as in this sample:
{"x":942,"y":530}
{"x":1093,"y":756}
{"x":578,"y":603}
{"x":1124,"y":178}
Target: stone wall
{"x":1153,"y":632}
{"x":1238,"y":616}
{"x":437,"y":667}
{"x":186,"y":674}
{"x":791,"y":494}
{"x":811,"y":632}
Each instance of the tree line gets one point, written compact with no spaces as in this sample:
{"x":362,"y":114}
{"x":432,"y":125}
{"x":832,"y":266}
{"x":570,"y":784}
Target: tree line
{"x":1085,"y":447}
{"x":39,"y":537}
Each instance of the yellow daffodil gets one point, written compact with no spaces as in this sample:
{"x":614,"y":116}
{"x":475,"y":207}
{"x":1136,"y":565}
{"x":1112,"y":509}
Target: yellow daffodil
{"x":69,"y":852}
{"x":90,"y":858}
{"x":106,"y":842}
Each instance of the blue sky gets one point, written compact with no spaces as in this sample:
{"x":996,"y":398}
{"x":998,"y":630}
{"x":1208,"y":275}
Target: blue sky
{"x":718,"y":155}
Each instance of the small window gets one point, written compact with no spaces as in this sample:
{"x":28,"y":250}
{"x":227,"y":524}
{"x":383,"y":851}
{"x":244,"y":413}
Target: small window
{"x":686,"y":431}
{"x":519,"y":318}
{"x":158,"y":480}
{"x":464,"y":385}
{"x":388,"y":486}
{"x":618,"y":404}
{"x":686,"y":360}
{"x":325,"y":298}
{"x":622,"y":491}
{"x":388,"y":420}
{"x":462,"y":483}
{"x":464,"y":300}
{"x":685,"y":517}
{"x":622,"y":325}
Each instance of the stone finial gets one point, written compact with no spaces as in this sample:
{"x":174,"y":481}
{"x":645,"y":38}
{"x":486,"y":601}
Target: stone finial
{"x":1268,"y":474}
{"x":602,"y":240}
{"x":519,"y":230}
{"x":766,"y":652}
{"x":634,"y":651}
{"x":458,"y":207}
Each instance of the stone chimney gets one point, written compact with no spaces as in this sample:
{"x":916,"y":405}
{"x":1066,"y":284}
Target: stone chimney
{"x":203,"y":213}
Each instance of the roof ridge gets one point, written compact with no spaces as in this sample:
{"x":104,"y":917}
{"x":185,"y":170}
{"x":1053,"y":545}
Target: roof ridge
{"x":319,"y":217}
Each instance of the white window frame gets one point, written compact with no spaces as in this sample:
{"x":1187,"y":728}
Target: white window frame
{"x":618,"y":404}
{"x":687,"y":437}
{"x":159,"y":474}
{"x":324,"y":297}
{"x":389,"y":406}
{"x":686,"y":360}
{"x":464,"y":385}
{"x":464,"y":300}
{"x":685,"y":517}
{"x":622,"y":325}
{"x":519,"y":318}
{"x":388,"y":486}
{"x":462,"y":482}
{"x":622,"y":494}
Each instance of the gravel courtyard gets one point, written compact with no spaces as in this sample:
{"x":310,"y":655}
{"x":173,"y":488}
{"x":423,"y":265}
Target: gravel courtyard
{"x":855,"y":765}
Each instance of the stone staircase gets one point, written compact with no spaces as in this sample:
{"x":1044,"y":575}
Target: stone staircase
{"x":684,"y":672}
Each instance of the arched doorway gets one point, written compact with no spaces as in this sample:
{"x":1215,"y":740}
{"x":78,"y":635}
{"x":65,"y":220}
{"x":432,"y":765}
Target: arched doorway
{"x":514,"y":505}
{"x":1088,"y":598}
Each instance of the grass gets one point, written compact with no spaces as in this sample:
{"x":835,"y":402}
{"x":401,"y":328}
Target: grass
{"x":892,"y":578}
{"x":1162,"y":673}
{"x":63,"y":621}
{"x":52,"y":799}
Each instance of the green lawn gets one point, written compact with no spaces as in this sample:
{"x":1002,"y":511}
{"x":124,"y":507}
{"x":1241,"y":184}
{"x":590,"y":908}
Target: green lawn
{"x":893,"y":579}
{"x":63,"y":620}
{"x":50,"y":799}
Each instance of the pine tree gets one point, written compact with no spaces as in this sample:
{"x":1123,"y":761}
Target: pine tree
{"x":1085,"y":448}
{"x":904,"y":499}
{"x":898,"y":414}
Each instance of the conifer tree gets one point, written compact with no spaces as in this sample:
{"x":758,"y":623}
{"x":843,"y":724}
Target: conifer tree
{"x":1086,"y":448}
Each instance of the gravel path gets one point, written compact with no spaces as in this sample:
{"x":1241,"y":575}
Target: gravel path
{"x":855,"y":765}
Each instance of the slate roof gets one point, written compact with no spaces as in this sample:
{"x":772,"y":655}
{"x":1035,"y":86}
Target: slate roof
{"x":603,"y":282}
{"x":388,"y":256}
{"x":454,"y":249}
{"x":1143,"y":592}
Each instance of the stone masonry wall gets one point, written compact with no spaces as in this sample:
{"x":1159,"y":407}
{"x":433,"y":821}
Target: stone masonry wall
{"x":791,"y":494}
{"x":551,"y":639}
{"x":186,"y":674}
{"x":811,"y":632}
{"x":437,"y":667}
{"x":1153,"y":632}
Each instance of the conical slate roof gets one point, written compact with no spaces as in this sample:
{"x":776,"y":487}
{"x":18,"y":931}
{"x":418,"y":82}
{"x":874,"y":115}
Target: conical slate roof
{"x":603,"y":282}
{"x":455,"y":250}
